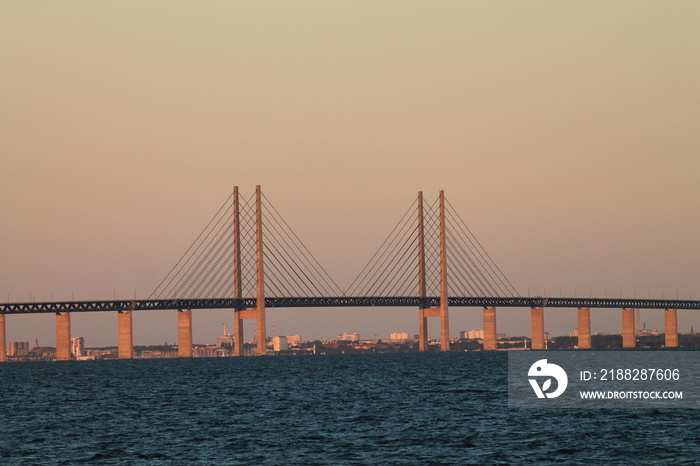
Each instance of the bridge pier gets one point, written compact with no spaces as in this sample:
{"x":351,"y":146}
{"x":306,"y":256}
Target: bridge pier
{"x":537,"y":325}
{"x":238,"y":338}
{"x":422,"y":331}
{"x":126,"y":335}
{"x":490,"y":341}
{"x":63,"y":352}
{"x":444,"y":328}
{"x":423,"y":315}
{"x":237,"y":333}
{"x":261,"y":330}
{"x":184,"y":333}
{"x":584,"y":328}
{"x":628,"y":332}
{"x":671,"y":328}
{"x":3,"y":339}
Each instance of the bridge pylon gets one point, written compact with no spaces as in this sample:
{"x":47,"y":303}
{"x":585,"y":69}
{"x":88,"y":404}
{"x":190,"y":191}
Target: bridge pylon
{"x":443,"y":310}
{"x":258,"y":314}
{"x":260,"y":301}
{"x":237,"y":277}
{"x":3,"y":339}
{"x":246,"y":256}
{"x":422,"y":317}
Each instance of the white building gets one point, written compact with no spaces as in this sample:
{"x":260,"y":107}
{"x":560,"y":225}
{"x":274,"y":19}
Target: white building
{"x":472,"y":334}
{"x":77,"y":346}
{"x":293,"y":339}
{"x":280,"y":343}
{"x":19,"y":348}
{"x":349,"y":337}
{"x":224,"y":341}
{"x":398,"y":336}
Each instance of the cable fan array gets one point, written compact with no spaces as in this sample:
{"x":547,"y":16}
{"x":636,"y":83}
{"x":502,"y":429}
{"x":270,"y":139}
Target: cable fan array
{"x":394,"y":269}
{"x":290,"y":268}
{"x":207,"y":268}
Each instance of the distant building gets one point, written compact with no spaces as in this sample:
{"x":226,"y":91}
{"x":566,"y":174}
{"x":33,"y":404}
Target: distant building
{"x":472,"y":334}
{"x":398,"y":336}
{"x":224,"y":341}
{"x":349,"y":337}
{"x":77,"y":346}
{"x":280,"y":343}
{"x":19,"y":349}
{"x":293,"y":339}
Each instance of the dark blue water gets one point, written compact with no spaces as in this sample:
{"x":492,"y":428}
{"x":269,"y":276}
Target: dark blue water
{"x":357,"y":409}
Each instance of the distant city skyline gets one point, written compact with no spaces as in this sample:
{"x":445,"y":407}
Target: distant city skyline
{"x":469,"y":340}
{"x":227,"y":339}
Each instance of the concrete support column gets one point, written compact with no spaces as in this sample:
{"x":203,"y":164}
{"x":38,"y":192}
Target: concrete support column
{"x":671,"y":332}
{"x":584,"y":328}
{"x":628,"y":332}
{"x":237,"y":333}
{"x":490,"y":342}
{"x":126,"y":335}
{"x":63,"y":352}
{"x":422,"y":331}
{"x":537,"y":323}
{"x":3,"y":339}
{"x":184,"y":333}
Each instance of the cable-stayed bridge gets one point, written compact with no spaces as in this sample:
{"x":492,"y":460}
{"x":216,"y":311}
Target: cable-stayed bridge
{"x":247,"y":258}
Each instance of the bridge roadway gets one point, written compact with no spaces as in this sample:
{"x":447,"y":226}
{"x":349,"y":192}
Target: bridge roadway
{"x":341,"y":301}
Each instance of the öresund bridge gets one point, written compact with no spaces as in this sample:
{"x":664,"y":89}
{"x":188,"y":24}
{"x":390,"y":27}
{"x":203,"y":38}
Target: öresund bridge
{"x":248,"y":259}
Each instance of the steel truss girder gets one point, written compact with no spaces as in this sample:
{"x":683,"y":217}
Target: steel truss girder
{"x":341,"y":301}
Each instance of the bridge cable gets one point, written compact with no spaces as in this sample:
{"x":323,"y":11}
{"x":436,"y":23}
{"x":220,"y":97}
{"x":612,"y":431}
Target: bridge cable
{"x":470,"y":280}
{"x":368,"y":272}
{"x":390,"y":273}
{"x":193,"y":283}
{"x":382,"y":266}
{"x":284,"y":273}
{"x":468,"y":255}
{"x":501,"y":276}
{"x":155,"y":291}
{"x":311,"y":263}
{"x":186,"y":281}
{"x":274,"y":243}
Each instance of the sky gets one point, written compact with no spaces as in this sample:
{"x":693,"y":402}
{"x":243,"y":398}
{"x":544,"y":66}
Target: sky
{"x":564,"y":133}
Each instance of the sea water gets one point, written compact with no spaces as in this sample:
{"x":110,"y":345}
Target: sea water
{"x":426,"y":408}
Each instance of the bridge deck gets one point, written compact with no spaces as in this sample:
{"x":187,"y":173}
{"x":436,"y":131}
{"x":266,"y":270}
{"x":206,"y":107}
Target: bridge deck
{"x":341,"y":301}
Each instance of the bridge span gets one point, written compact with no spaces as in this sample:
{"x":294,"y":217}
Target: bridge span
{"x":428,"y":307}
{"x":237,"y":264}
{"x":341,"y":301}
